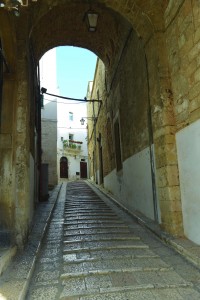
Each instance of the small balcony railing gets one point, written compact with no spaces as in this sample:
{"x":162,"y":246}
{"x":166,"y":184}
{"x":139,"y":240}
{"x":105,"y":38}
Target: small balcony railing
{"x":70,"y":144}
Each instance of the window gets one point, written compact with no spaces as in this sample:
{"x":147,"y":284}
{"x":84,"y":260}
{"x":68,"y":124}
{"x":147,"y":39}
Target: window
{"x":71,"y":117}
{"x":71,"y":137}
{"x":117,"y":146}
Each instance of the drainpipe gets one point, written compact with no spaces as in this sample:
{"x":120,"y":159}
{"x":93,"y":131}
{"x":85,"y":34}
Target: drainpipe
{"x":151,"y":141}
{"x":95,"y":162}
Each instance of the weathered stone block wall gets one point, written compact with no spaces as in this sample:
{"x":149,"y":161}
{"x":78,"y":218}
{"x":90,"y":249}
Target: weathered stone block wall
{"x":49,"y":149}
{"x":182,"y":21}
{"x":128,"y":97}
{"x":103,"y":125}
{"x":7,"y":146}
{"x":130,"y":89}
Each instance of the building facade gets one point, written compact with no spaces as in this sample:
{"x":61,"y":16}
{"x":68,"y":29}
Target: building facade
{"x":64,"y":145}
{"x":72,"y":155}
{"x":48,"y":79}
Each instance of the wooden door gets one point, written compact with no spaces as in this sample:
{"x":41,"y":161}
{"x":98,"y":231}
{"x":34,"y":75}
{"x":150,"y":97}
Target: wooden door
{"x":83,"y":169}
{"x":63,"y":167}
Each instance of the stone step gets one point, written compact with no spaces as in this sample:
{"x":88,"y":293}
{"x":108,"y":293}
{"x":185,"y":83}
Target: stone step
{"x":102,"y":244}
{"x":149,"y":292}
{"x":76,"y":248}
{"x":115,"y":252}
{"x":87,"y":209}
{"x":90,"y":232}
{"x":109,"y":253}
{"x":89,"y":214}
{"x":97,"y":238}
{"x":110,"y":285}
{"x":92,"y":217}
{"x":90,"y":228}
{"x":73,"y":258}
{"x":103,"y":222}
{"x":111,"y":264}
{"x":79,"y":204}
{"x":84,"y":202}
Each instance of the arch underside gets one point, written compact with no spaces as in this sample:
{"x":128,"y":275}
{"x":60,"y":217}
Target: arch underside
{"x":59,"y":23}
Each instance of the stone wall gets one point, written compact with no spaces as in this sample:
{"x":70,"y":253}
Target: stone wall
{"x":125,"y":100}
{"x":155,"y":96}
{"x":182,"y":21}
{"x":183,"y":37}
{"x":49,"y":149}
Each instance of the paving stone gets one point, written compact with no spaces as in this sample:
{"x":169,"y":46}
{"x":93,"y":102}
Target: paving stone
{"x":139,"y":295}
{"x":69,"y":257}
{"x":97,"y":281}
{"x":123,"y":279}
{"x":44,"y":293}
{"x":83,"y":255}
{"x":147,"y":277}
{"x":147,"y":295}
{"x":73,"y":268}
{"x":140,"y":253}
{"x":188,"y":294}
{"x":74,"y":286}
{"x":97,"y":237}
{"x":11,"y":292}
{"x":48,"y":260}
{"x":51,"y":252}
{"x":46,"y":275}
{"x":167,"y":294}
{"x":49,"y":266}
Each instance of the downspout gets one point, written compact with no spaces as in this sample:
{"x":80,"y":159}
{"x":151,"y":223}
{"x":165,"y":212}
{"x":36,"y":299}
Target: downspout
{"x":151,"y":141}
{"x":95,"y":162}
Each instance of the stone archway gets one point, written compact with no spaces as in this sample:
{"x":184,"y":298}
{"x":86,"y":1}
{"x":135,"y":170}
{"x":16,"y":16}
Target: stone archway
{"x":60,"y":22}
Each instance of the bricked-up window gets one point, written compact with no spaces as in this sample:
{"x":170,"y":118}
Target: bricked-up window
{"x":1,"y":79}
{"x":117,"y":146}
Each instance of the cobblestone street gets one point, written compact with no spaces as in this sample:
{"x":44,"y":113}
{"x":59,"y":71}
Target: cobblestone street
{"x":94,"y":250}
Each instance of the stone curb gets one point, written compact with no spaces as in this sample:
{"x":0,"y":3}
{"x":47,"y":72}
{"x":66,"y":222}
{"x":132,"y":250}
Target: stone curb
{"x":183,"y":246}
{"x":6,"y":257}
{"x":43,"y":232}
{"x":11,"y":286}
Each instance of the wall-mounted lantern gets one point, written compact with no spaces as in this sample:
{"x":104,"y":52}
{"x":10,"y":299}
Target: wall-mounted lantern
{"x":91,"y":18}
{"x":82,"y":120}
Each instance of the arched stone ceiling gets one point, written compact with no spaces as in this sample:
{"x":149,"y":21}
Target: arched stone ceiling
{"x":61,"y":22}
{"x":64,"y":24}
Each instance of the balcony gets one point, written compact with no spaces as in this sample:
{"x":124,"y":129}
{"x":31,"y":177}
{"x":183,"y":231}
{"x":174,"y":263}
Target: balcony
{"x":71,"y":146}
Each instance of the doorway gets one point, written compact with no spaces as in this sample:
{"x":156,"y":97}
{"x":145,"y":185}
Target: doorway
{"x":83,"y":169}
{"x":63,"y":167}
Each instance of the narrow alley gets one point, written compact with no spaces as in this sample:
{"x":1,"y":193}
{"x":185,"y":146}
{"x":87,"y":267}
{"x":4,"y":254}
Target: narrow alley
{"x":93,"y":250}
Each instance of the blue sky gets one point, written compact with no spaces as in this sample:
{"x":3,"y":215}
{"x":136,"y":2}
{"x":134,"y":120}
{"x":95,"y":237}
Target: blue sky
{"x":75,"y":67}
